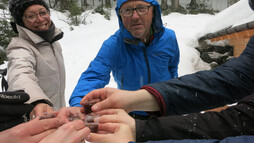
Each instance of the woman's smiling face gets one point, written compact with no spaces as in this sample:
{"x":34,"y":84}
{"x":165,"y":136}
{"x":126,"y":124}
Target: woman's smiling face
{"x":37,"y":17}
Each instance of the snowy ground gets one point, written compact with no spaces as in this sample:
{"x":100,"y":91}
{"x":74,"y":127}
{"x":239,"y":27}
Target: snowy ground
{"x":81,"y":45}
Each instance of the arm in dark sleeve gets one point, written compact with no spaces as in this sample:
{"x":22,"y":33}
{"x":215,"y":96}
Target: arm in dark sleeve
{"x":234,"y":121}
{"x":207,"y":89}
{"x":238,"y":139}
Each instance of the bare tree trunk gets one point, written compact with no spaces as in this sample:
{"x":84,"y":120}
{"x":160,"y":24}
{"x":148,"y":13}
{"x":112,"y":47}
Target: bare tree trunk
{"x":108,"y":3}
{"x":102,"y":5}
{"x":63,"y":4}
{"x":85,"y":3}
{"x":50,"y":4}
{"x":164,"y":5}
{"x":56,"y":1}
{"x":193,"y":2}
{"x":175,"y":5}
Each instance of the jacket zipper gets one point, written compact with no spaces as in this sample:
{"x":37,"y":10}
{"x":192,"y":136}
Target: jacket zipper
{"x":147,"y":65}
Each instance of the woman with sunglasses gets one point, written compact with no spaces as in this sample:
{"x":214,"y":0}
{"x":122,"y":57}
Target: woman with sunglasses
{"x":35,"y":60}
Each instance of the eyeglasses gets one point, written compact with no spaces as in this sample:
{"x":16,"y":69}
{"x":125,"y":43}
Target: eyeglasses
{"x":33,"y":17}
{"x":141,"y":10}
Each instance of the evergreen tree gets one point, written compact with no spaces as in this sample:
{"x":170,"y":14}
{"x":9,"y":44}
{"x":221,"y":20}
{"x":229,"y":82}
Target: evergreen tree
{"x":6,"y":32}
{"x":75,"y":13}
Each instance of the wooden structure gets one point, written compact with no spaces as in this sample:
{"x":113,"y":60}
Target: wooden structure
{"x":238,"y":36}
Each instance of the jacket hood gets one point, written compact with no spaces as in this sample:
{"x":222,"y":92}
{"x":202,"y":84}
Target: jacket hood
{"x":156,"y":23}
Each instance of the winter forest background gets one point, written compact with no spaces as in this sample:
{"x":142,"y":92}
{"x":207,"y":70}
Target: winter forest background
{"x":96,"y":22}
{"x":76,"y":12}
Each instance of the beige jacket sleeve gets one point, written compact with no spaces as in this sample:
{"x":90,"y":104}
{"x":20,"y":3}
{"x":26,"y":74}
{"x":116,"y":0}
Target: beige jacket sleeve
{"x":21,"y":70}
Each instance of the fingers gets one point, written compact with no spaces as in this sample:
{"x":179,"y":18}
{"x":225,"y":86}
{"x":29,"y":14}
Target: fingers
{"x":109,"y":111}
{"x":105,"y":104}
{"x":109,"y":127}
{"x":117,"y":116}
{"x":103,"y":95}
{"x":40,"y":109}
{"x":70,"y":113}
{"x":112,"y":115}
{"x":97,"y":138}
{"x":72,"y":132}
{"x":38,"y":126}
{"x":98,"y":93}
{"x":76,"y":125}
{"x":43,"y":135}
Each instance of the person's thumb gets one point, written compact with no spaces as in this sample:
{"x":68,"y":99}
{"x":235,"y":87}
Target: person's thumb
{"x":105,"y":104}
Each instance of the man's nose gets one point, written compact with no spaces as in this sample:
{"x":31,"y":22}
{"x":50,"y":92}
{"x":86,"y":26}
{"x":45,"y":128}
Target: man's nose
{"x":135,"y":14}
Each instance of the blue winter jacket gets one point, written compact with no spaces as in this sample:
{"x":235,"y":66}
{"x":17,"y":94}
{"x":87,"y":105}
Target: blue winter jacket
{"x":132,"y":63}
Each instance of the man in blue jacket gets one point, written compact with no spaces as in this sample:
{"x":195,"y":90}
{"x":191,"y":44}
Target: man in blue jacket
{"x":142,"y":51}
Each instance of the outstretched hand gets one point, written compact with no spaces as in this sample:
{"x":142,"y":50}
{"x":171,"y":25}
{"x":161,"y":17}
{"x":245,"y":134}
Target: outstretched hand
{"x":40,"y":109}
{"x":70,"y":113}
{"x":111,"y":98}
{"x":32,"y":132}
{"x":72,"y":132}
{"x":116,"y":133}
{"x":117,"y":116}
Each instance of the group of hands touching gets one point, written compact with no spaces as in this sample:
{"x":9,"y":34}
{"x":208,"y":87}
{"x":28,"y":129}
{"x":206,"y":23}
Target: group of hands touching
{"x":114,"y":123}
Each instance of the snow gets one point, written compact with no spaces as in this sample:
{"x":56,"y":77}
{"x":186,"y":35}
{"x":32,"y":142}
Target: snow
{"x":236,"y":14}
{"x":81,"y":45}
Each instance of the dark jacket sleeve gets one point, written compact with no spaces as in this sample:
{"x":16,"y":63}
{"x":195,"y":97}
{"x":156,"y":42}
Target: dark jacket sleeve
{"x":235,"y":120}
{"x":207,"y":89}
{"x":13,"y":108}
{"x":238,"y":139}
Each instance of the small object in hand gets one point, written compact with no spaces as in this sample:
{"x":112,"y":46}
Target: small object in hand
{"x":93,"y":127}
{"x":47,"y":115}
{"x":88,"y":105}
{"x":92,"y":121}
{"x":73,"y":117}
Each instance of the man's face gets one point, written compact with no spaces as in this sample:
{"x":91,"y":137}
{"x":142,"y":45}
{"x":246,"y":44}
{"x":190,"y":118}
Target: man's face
{"x":138,"y":24}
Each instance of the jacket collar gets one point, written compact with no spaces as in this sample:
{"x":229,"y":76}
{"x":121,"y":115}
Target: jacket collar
{"x":27,"y":34}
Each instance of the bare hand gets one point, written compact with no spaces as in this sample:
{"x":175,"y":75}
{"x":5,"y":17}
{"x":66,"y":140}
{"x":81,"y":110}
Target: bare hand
{"x":40,"y":109}
{"x":67,"y":113}
{"x":31,"y":132}
{"x":140,"y":100}
{"x":117,"y":133}
{"x":72,"y":132}
{"x":117,"y":116}
{"x":110,"y":98}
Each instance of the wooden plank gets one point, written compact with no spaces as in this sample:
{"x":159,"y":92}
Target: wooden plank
{"x":243,"y":34}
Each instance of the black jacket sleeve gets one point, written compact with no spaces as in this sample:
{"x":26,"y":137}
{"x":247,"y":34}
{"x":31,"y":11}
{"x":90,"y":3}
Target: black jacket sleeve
{"x":234,"y":121}
{"x":13,"y":108}
{"x":204,"y":90}
{"x":238,"y":139}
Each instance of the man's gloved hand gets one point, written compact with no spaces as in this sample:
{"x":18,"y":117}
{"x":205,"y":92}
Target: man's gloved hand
{"x":13,"y":108}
